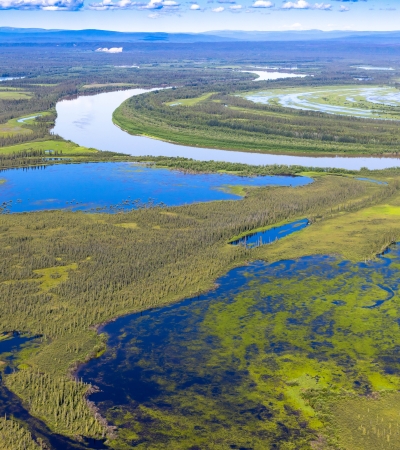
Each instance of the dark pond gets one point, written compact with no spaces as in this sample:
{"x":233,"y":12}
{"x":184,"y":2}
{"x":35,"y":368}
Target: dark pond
{"x":10,"y":405}
{"x":118,"y":186}
{"x":227,"y":369}
{"x":273,"y":234}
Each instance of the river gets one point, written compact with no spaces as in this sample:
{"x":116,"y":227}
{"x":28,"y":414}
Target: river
{"x":87,"y":121}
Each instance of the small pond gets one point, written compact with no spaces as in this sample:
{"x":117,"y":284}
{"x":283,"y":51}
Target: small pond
{"x":113,"y":187}
{"x":12,"y":343}
{"x":271,"y":235}
{"x":233,"y":363}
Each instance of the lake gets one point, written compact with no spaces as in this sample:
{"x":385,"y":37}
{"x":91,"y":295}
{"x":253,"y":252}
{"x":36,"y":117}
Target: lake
{"x":231,"y":364}
{"x":113,"y":187}
{"x":87,"y":121}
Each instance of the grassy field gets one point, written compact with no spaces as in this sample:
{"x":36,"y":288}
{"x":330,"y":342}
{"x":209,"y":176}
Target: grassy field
{"x":66,"y":147}
{"x":14,"y":94}
{"x":12,"y":127}
{"x":62,"y":273}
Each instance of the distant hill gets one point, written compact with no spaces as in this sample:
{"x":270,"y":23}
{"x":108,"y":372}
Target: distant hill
{"x":41,"y":36}
{"x":306,"y":35}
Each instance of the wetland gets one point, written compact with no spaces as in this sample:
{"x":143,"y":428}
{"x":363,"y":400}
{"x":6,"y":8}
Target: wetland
{"x":252,"y":361}
{"x":196,"y":333}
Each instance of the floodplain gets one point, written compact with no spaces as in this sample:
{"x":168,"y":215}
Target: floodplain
{"x":290,"y":343}
{"x":374,"y":102}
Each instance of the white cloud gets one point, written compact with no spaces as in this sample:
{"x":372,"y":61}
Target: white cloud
{"x":195,"y":7}
{"x":219,"y":9}
{"x":109,"y":4}
{"x":344,"y":8}
{"x":235,"y":7}
{"x":303,"y":4}
{"x":45,"y":5}
{"x":160,"y":4}
{"x":323,"y":6}
{"x":262,"y":4}
{"x":110,"y":50}
{"x":129,"y":4}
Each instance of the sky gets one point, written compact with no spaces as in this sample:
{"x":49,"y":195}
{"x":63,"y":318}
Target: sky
{"x":202,"y":15}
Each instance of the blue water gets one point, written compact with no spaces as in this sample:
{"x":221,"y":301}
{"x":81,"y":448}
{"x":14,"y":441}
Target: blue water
{"x":27,"y":118}
{"x":371,"y":180}
{"x":176,"y":360}
{"x":273,"y":234}
{"x":114,"y":187}
{"x":87,"y":121}
{"x":10,"y":345}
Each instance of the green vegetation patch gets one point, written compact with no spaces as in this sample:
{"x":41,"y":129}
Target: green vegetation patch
{"x":14,"y":95}
{"x":16,"y":437}
{"x":53,"y":276}
{"x":67,"y":148}
{"x":190,"y":101}
{"x":368,"y":422}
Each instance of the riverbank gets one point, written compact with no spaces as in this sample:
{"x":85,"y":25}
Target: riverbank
{"x":224,"y":120}
{"x":98,"y":131}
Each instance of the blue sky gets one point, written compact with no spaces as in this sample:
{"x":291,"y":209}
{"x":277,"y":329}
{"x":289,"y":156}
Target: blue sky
{"x":202,"y":15}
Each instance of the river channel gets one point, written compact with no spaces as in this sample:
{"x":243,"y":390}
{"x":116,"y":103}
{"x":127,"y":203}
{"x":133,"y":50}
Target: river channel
{"x":87,"y":121}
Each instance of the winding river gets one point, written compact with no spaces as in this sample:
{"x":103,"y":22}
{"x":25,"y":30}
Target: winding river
{"x":87,"y":121}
